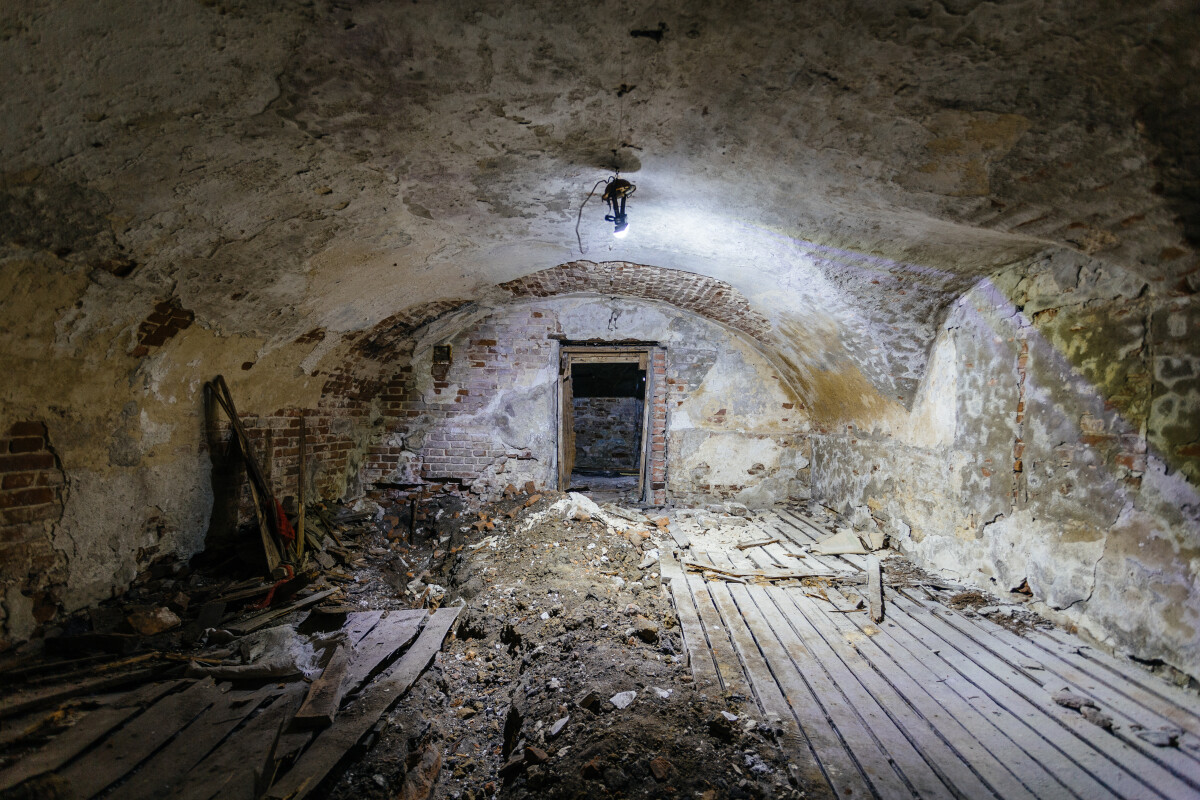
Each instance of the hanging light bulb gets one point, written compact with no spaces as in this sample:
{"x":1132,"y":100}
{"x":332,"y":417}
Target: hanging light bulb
{"x":614,"y":195}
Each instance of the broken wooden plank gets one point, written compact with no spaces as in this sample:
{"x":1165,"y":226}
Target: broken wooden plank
{"x":704,"y":671}
{"x":231,"y":772}
{"x":389,"y":636}
{"x":256,"y":621}
{"x":763,"y":543}
{"x":117,"y":755}
{"x":325,"y":693}
{"x":82,"y":734}
{"x":874,"y":588}
{"x":352,"y":724}
{"x":836,"y":599}
{"x":765,"y":574}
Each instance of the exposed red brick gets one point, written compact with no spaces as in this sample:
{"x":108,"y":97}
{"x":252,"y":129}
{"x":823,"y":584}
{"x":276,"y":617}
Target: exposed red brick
{"x":18,"y":480}
{"x":27,"y":497}
{"x":25,"y":462}
{"x":29,"y":428}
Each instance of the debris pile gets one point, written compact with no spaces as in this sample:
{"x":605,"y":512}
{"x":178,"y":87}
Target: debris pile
{"x":566,"y":674}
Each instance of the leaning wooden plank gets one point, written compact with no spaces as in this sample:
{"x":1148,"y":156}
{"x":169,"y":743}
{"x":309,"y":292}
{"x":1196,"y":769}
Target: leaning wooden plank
{"x":704,"y":670}
{"x":389,"y":636}
{"x":161,"y":776}
{"x":256,"y":621}
{"x":133,"y":744}
{"x":83,"y":733}
{"x":352,"y":724}
{"x":874,"y":588}
{"x":37,"y":698}
{"x":229,"y":772}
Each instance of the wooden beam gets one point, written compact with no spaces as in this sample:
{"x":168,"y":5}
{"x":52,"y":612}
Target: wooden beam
{"x":875,"y":588}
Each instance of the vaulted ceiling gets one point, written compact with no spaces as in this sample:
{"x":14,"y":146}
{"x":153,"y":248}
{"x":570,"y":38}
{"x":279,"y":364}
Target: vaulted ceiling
{"x":848,"y":167}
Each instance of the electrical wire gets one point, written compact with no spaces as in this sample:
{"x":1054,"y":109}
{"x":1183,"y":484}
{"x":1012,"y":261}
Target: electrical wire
{"x":579,"y":218}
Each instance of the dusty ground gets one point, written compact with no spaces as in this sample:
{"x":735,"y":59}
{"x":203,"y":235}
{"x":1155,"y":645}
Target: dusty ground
{"x":564,"y":612}
{"x":552,"y":629}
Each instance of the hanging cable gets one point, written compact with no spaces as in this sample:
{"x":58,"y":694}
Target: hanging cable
{"x":579,"y":218}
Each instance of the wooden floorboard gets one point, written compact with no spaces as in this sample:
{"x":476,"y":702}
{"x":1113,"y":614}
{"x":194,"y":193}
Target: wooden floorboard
{"x":700,"y":656}
{"x":908,"y":749}
{"x":931,"y":703}
{"x":1062,"y":729}
{"x":1124,"y":706}
{"x":733,"y":676}
{"x":83,"y":734}
{"x":963,"y":757}
{"x":167,"y":770}
{"x":1168,"y":770}
{"x":121,"y":752}
{"x":1149,"y":691}
{"x":767,"y":690}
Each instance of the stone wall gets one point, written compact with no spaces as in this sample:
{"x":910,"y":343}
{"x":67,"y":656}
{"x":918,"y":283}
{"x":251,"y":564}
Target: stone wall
{"x":722,"y":424}
{"x":607,"y":432}
{"x":1052,"y":446}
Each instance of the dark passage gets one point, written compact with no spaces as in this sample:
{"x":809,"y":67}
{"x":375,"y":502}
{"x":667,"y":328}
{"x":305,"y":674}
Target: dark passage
{"x":608,"y":409}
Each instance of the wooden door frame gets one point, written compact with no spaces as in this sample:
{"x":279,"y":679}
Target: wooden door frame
{"x":570,"y":353}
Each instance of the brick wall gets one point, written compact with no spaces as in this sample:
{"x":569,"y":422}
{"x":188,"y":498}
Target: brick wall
{"x":432,"y":431}
{"x":658,"y":427}
{"x":488,"y":417}
{"x":607,"y":432}
{"x":31,"y":501}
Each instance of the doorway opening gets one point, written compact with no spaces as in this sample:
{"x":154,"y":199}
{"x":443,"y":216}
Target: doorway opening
{"x":604,"y":420}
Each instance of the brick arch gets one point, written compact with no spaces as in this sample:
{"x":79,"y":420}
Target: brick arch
{"x":363,"y":376}
{"x":707,"y":297}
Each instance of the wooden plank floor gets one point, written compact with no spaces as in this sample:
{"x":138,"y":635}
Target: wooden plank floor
{"x":198,"y":740}
{"x":930,"y":703}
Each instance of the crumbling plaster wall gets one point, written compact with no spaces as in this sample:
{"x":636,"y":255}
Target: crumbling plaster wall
{"x":112,"y":374}
{"x":488,"y":419}
{"x":1054,"y":442}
